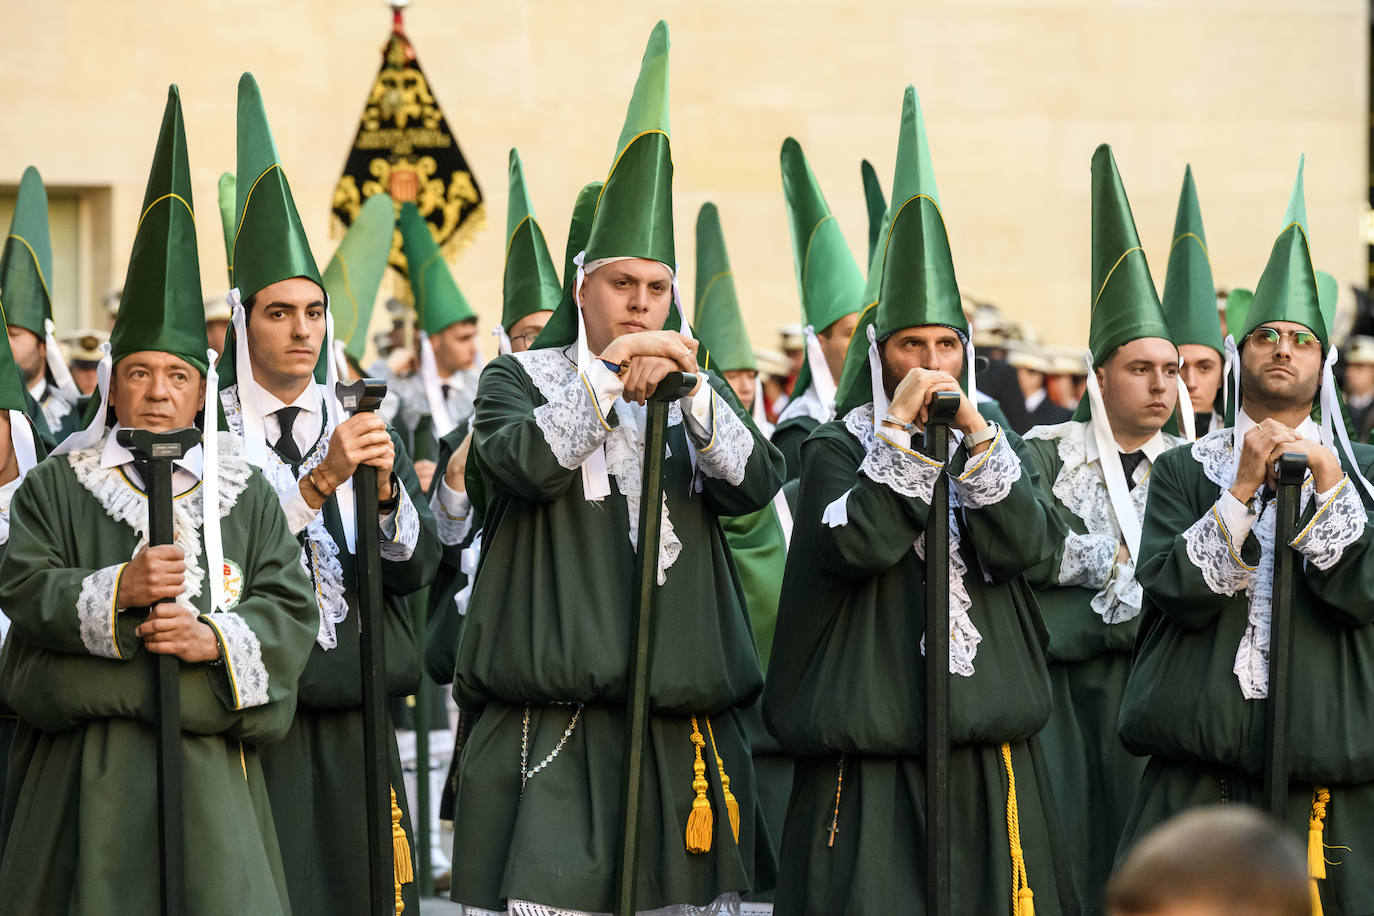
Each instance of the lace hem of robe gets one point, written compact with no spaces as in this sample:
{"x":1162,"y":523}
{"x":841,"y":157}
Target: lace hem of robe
{"x":724,"y":905}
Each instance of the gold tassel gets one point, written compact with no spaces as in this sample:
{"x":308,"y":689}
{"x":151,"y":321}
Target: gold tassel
{"x":1316,"y":849}
{"x":731,"y":804}
{"x":701,"y":822}
{"x":400,"y":852}
{"x":1022,"y":900}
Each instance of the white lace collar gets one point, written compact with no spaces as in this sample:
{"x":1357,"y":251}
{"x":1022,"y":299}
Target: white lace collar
{"x":319,"y":552}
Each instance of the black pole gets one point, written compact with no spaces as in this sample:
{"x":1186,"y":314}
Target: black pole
{"x":673,"y":386}
{"x":942,"y":409}
{"x":160,"y":450}
{"x":363,"y":396}
{"x":1292,"y":467}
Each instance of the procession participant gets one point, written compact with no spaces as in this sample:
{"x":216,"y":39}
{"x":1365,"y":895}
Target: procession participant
{"x":1194,"y":701}
{"x":1190,"y":308}
{"x":353,"y":276}
{"x":544,"y":652}
{"x":1094,"y":471}
{"x":276,"y":354}
{"x":830,"y":286}
{"x":758,"y":540}
{"x":78,"y":580}
{"x":530,"y":294}
{"x":1358,"y":385}
{"x":438,"y":398}
{"x":21,"y":447}
{"x":26,"y":292}
{"x":83,"y":351}
{"x":1032,"y":367}
{"x":845,"y":687}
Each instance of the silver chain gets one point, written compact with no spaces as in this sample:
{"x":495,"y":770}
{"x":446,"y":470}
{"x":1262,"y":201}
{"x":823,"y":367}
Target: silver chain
{"x":525,"y":772}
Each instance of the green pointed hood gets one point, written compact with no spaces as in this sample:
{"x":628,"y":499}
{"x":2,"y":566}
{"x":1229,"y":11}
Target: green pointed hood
{"x":438,"y":300}
{"x":26,"y":262}
{"x":1125,"y":305}
{"x":877,"y":206}
{"x":355,"y":272}
{"x":269,"y":240}
{"x":561,"y":328}
{"x":1237,"y":308}
{"x":634,"y":217}
{"x":828,"y":279}
{"x":531,"y":282}
{"x":228,"y":197}
{"x":1190,"y":298}
{"x":717,"y":318}
{"x":912,"y":273}
{"x":161,"y":307}
{"x":1287,"y":289}
{"x":12,"y":387}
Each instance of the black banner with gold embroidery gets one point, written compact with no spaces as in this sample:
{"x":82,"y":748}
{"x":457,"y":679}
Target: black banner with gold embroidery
{"x":404,"y":147}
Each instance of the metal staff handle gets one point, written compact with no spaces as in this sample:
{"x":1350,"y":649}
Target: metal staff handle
{"x":942,"y":409}
{"x":363,"y":396}
{"x":160,"y":450}
{"x":1292,"y":467}
{"x":673,"y":386}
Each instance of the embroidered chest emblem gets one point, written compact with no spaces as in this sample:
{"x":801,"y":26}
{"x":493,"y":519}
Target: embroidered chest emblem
{"x":233,"y":583}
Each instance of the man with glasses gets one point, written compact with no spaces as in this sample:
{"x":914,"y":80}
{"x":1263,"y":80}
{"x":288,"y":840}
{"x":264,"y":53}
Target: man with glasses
{"x":1195,"y":698}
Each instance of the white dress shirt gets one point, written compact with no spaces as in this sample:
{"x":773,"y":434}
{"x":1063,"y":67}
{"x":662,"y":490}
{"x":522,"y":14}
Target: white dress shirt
{"x":186,"y":470}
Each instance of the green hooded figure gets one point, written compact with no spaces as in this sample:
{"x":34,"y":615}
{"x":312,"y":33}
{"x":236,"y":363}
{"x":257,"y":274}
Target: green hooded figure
{"x":557,"y":444}
{"x":845,"y":692}
{"x":1096,"y":478}
{"x":830,"y":285}
{"x":1199,"y":686}
{"x":290,"y":426}
{"x":355,"y":272}
{"x":78,"y":664}
{"x":1190,"y":308}
{"x":26,"y":296}
{"x":530,"y":283}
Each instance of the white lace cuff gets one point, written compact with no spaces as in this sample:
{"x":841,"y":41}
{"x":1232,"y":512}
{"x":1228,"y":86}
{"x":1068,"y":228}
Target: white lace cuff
{"x":1120,"y":599}
{"x":1216,"y":553}
{"x":401,"y":530}
{"x":96,"y":611}
{"x":1238,"y":520}
{"x":574,"y":422}
{"x":299,"y":515}
{"x":723,"y":442}
{"x":1088,"y":560}
{"x":1339,"y":522}
{"x":242,"y":654}
{"x":452,"y":514}
{"x":903,"y":470}
{"x":988,"y":478}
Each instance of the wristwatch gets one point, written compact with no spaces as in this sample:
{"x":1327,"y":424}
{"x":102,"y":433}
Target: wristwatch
{"x":986,"y":434}
{"x":386,"y":507}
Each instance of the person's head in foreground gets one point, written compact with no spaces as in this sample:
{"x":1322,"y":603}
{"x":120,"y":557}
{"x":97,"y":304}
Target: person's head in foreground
{"x":1213,"y":861}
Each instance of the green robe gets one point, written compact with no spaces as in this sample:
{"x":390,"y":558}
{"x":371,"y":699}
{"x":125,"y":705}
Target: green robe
{"x":759,"y":551}
{"x":315,"y":773}
{"x":1202,"y":723}
{"x":845,"y":682}
{"x":1091,"y":606}
{"x":549,"y":625}
{"x":80,"y":816}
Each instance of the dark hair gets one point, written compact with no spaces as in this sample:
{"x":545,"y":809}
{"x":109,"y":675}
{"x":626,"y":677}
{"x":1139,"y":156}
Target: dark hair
{"x":1230,"y":857}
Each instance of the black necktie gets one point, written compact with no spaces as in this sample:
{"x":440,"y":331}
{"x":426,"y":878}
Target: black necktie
{"x":1129,"y":462}
{"x":286,"y":443}
{"x":447,"y":390}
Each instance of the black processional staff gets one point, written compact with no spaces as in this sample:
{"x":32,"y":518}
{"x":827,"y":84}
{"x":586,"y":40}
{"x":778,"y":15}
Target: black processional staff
{"x":155,"y":452}
{"x":673,"y":386}
{"x":943,"y":406}
{"x":1292,"y":468}
{"x":365,"y":396}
